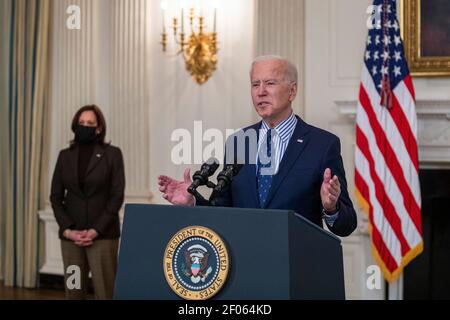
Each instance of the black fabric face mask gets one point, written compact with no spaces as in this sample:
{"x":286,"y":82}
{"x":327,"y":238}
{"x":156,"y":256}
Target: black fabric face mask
{"x":85,"y":135}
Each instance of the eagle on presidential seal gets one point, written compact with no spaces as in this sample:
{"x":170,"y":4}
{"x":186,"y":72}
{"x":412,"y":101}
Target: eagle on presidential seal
{"x":196,"y":263}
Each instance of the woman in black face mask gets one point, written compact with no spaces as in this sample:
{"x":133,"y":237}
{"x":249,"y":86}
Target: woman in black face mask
{"x":86,"y":195}
{"x":85,"y":134}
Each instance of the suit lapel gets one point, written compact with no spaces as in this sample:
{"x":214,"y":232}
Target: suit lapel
{"x":297,"y":144}
{"x":249,"y":170}
{"x":97,"y":155}
{"x":73,"y":167}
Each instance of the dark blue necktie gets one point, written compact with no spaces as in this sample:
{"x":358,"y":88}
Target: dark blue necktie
{"x":265,"y":172}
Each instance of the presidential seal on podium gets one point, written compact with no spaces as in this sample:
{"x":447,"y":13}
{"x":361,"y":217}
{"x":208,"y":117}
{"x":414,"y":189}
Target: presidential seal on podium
{"x":196,"y":263}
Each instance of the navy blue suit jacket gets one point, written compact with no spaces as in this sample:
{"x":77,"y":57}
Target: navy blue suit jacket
{"x":297,"y":184}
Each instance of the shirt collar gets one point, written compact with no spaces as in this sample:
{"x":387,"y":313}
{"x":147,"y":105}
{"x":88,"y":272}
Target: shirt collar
{"x":284,"y":130}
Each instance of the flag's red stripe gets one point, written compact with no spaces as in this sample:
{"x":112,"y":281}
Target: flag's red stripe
{"x":382,"y":249}
{"x":409,"y":84}
{"x":403,"y":126}
{"x":385,"y":202}
{"x":391,"y":160}
{"x":377,"y":240}
{"x":362,"y":186}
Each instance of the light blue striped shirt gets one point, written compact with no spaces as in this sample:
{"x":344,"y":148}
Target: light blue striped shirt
{"x":280,"y":139}
{"x":281,"y":135}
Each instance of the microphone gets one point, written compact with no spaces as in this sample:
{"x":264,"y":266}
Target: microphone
{"x":226,"y":176}
{"x":201,"y":176}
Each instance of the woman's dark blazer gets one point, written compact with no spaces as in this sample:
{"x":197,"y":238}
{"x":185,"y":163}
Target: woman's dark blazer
{"x":97,"y":205}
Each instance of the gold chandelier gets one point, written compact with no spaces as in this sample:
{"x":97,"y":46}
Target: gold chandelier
{"x":199,"y":48}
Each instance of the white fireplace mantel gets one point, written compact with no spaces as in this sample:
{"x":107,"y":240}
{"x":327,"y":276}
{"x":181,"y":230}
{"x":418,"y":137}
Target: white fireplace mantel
{"x":425,"y":108}
{"x":433,"y":130}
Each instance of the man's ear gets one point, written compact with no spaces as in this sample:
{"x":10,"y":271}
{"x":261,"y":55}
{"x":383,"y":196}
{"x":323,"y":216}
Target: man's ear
{"x":293,"y":92}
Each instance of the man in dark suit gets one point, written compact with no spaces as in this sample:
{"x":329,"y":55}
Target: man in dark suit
{"x":297,"y":166}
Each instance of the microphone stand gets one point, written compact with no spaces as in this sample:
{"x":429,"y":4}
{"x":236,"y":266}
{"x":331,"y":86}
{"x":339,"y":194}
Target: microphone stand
{"x":193,"y":190}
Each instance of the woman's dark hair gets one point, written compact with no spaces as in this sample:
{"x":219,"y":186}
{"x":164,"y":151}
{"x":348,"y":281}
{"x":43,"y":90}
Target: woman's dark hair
{"x":101,"y":123}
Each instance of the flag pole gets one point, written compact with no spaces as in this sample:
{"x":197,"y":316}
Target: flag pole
{"x":396,"y":289}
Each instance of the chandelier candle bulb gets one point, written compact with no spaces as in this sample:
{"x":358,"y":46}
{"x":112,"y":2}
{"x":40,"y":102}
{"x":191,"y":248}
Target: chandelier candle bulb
{"x":182,"y":20}
{"x":215,"y":19}
{"x":164,"y":8}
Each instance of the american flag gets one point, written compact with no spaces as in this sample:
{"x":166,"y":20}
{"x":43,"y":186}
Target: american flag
{"x":386,"y":157}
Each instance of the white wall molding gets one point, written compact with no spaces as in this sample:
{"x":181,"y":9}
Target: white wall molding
{"x":72,"y":75}
{"x":279,"y":29}
{"x":52,"y":263}
{"x":344,"y":72}
{"x":129,"y":107}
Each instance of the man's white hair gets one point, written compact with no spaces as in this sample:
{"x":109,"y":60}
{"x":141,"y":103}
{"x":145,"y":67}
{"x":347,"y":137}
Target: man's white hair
{"x":291,"y":69}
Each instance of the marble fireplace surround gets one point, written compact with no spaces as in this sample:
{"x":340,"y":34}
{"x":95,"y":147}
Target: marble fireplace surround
{"x":433,"y":130}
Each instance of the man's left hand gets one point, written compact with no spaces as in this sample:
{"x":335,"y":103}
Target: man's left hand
{"x":330,"y":191}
